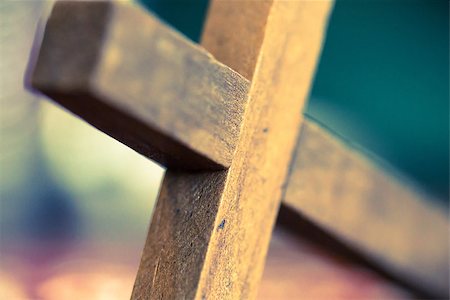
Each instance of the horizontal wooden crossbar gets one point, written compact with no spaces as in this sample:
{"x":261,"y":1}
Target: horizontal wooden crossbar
{"x":141,"y":82}
{"x":366,"y":205}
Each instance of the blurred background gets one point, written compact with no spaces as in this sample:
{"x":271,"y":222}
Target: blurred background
{"x":76,"y":204}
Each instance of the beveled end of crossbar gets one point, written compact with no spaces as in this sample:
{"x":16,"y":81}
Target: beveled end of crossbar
{"x":134,"y":78}
{"x":71,"y":46}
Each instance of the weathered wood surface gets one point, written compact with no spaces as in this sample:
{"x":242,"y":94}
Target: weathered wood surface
{"x":144,"y":84}
{"x":132,"y":89}
{"x":210,"y":231}
{"x":370,"y":209}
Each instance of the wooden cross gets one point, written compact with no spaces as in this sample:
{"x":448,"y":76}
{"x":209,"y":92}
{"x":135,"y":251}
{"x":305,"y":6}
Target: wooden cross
{"x":227,"y":127}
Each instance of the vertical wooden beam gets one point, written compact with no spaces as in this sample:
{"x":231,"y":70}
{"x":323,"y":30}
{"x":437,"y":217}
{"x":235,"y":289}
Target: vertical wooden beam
{"x":234,"y":33}
{"x":210,"y":231}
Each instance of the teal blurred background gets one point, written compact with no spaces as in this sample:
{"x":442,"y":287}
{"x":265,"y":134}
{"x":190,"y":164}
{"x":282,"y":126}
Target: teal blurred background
{"x":74,"y":201}
{"x":382,"y":81}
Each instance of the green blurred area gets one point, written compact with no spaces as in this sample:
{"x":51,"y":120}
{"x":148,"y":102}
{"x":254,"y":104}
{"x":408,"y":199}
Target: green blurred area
{"x":382,"y":80}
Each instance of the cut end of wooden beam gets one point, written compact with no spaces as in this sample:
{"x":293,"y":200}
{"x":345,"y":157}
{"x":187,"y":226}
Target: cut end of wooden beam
{"x":139,"y":81}
{"x":70,"y":50}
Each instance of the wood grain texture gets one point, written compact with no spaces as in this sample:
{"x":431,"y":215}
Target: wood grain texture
{"x":370,"y":209}
{"x":150,"y":88}
{"x":90,"y":63}
{"x":210,"y":231}
{"x":240,"y":47}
